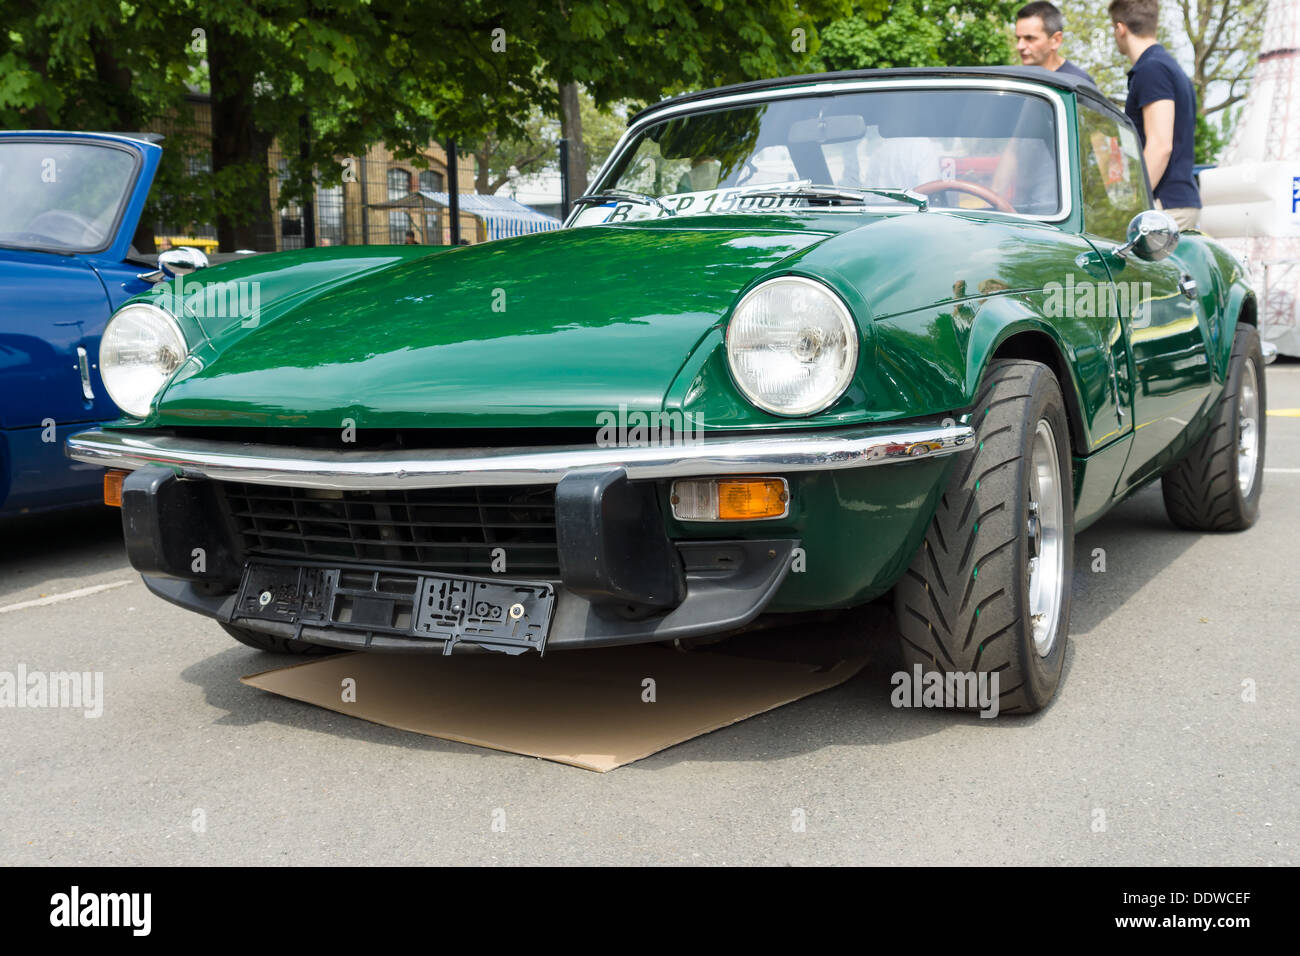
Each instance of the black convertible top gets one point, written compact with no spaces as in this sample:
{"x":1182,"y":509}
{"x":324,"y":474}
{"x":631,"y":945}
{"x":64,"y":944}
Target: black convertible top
{"x":1032,"y":74}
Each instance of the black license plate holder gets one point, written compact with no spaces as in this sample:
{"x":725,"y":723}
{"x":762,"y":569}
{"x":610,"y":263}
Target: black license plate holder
{"x":508,"y":616}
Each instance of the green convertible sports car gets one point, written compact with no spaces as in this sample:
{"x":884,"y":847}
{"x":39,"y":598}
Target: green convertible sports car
{"x":806,"y":343}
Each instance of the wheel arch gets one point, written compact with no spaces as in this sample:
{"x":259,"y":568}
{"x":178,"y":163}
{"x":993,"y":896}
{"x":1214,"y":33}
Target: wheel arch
{"x":1242,"y":308}
{"x":1027,"y":341}
{"x":1248,"y":311}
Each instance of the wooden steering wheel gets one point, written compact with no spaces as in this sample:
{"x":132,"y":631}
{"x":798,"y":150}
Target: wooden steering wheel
{"x":962,"y":186}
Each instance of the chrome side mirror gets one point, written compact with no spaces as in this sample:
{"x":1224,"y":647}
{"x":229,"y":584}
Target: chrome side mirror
{"x":182,"y":261}
{"x":1152,"y":235}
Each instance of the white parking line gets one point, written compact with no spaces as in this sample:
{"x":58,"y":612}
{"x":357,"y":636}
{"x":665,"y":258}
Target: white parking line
{"x":1282,"y":471}
{"x":65,"y":596}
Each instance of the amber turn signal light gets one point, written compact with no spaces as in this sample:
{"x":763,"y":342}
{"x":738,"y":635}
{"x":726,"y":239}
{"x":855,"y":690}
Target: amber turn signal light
{"x":730,"y":499}
{"x":743,"y":499}
{"x":113,"y":487}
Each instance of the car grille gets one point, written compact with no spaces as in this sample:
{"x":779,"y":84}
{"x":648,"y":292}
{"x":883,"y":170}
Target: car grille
{"x":441,"y":529}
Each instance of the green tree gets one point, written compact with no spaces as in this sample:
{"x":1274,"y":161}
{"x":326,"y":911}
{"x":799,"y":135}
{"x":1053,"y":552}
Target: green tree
{"x":634,"y":50}
{"x":1216,"y":41}
{"x":500,"y":157}
{"x":602,"y":128}
{"x":920,"y":33}
{"x":1090,"y":43}
{"x":1223,"y":39}
{"x":328,"y":79}
{"x":538,"y":148}
{"x":85,"y":64}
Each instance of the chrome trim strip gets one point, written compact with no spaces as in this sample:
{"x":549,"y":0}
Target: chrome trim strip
{"x":840,"y":86}
{"x":83,"y":367}
{"x":824,"y":450}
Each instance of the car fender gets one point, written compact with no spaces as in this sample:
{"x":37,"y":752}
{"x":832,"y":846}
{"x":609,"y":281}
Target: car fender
{"x":1009,"y":327}
{"x":1242,"y":306}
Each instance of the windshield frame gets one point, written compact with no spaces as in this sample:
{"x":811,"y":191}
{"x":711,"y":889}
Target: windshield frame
{"x":111,"y":234}
{"x":835,"y":87}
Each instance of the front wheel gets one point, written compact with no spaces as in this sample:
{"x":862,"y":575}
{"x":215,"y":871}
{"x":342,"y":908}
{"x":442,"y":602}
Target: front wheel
{"x":988,"y":593}
{"x":1217,"y":484}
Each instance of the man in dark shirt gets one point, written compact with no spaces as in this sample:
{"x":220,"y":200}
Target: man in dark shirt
{"x":1162,"y":104}
{"x":1040,"y":31}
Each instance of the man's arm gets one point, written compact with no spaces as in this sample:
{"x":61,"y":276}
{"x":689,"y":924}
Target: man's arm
{"x":1158,"y":123}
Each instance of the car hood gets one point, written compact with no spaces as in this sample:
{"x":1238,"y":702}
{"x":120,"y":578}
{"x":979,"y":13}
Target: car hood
{"x":543,"y":330}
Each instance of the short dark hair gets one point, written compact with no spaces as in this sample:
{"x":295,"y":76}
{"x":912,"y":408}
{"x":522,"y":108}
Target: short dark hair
{"x":1049,"y":13}
{"x":1140,"y":16}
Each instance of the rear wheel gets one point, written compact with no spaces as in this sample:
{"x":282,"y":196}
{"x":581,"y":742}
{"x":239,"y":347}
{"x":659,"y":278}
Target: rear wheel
{"x":1217,"y":484}
{"x":274,"y":644}
{"x":989,"y":590}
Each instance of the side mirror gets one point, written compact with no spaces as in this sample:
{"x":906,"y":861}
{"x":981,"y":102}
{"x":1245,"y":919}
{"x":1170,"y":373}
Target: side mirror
{"x":1152,"y":235}
{"x":182,"y":261}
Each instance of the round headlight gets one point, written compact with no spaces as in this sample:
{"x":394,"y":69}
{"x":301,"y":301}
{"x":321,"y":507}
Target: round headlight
{"x":792,"y":346}
{"x":140,"y":349}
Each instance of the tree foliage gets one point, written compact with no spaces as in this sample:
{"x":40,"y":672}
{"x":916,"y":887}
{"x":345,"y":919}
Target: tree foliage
{"x":329,"y":78}
{"x":499,"y":159}
{"x":640,"y":50}
{"x":920,"y":33}
{"x":1216,"y":42}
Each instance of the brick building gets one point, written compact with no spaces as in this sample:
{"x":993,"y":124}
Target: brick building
{"x":344,"y":214}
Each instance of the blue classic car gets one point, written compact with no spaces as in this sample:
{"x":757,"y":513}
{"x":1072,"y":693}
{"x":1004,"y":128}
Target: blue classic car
{"x":69,"y":206}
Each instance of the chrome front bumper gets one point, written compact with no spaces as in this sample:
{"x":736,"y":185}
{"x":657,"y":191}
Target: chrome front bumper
{"x":821,"y":450}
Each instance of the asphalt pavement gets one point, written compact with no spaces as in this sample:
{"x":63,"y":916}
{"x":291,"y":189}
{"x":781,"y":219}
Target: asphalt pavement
{"x":1174,"y":739}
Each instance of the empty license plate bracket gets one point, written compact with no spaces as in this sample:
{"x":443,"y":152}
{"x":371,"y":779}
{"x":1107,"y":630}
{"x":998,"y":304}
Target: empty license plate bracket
{"x":508,"y":616}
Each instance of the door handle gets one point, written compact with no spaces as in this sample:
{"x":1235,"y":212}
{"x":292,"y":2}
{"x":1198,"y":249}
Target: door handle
{"x":1120,"y":410}
{"x":1187,"y":286}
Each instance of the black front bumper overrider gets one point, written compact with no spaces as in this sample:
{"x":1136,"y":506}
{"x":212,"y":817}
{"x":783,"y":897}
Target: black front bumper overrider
{"x":622,"y":581}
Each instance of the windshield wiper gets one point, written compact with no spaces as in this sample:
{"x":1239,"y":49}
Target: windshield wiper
{"x":617,"y":195}
{"x":859,"y":193}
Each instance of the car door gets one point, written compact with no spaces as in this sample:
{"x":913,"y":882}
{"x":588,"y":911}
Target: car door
{"x":52,"y":306}
{"x":69,"y":206}
{"x":55,"y":298}
{"x":1162,"y":355}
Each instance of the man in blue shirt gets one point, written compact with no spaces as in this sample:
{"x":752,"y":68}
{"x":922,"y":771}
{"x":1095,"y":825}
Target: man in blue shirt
{"x":1040,"y":31}
{"x":1162,"y":104}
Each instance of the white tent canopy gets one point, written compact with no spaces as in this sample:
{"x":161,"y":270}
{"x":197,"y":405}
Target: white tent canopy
{"x":501,"y":216}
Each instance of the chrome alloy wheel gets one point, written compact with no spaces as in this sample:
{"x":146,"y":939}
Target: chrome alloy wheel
{"x":1247,"y":428}
{"x":1046,"y":512}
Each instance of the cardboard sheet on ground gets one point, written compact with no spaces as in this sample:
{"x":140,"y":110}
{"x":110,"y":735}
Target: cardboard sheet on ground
{"x":583,"y":708}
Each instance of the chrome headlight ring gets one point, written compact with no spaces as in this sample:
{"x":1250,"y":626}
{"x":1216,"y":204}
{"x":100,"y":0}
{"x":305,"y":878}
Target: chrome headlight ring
{"x":792,"y":346}
{"x":141,"y":347}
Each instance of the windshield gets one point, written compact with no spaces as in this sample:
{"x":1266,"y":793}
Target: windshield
{"x":61,"y":196}
{"x":966,"y":148}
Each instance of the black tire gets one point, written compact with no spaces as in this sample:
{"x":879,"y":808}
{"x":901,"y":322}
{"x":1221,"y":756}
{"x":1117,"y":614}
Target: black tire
{"x":963,"y":605}
{"x":276,"y":645}
{"x":1201,"y":490}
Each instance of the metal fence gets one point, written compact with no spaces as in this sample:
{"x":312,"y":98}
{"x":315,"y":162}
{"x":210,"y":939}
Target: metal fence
{"x":343,"y":214}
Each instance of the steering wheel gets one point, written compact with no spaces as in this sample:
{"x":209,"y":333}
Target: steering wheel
{"x":68,"y":227}
{"x":962,"y":186}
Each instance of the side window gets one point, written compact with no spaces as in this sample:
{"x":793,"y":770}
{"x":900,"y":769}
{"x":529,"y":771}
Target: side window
{"x":1114,"y":190}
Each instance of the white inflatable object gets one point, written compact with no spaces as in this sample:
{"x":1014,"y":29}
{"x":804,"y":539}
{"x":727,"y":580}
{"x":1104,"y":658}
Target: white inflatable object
{"x":1251,"y":202}
{"x":1253,"y":199}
